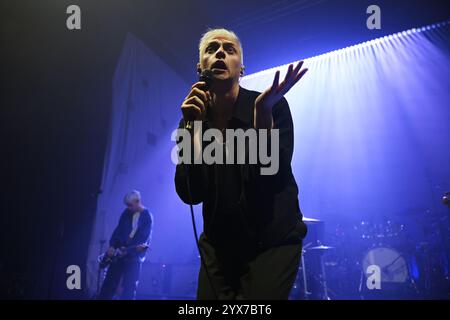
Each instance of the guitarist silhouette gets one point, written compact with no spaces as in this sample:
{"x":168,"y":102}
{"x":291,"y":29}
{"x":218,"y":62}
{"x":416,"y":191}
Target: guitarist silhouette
{"x":128,"y":246}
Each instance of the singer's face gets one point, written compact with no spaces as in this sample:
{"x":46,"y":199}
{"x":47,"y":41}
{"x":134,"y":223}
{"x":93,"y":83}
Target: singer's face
{"x":223,"y":57}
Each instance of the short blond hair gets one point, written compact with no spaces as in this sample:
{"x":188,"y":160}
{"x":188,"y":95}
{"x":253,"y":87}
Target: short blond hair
{"x":211,"y":33}
{"x":131,"y":197}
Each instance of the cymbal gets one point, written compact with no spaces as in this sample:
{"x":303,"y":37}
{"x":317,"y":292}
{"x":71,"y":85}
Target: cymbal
{"x":310,"y":220}
{"x":321,"y":247}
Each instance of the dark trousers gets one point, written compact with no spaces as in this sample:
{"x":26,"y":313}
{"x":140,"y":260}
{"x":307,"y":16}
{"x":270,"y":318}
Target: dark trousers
{"x":123,"y":272}
{"x":242,"y":272}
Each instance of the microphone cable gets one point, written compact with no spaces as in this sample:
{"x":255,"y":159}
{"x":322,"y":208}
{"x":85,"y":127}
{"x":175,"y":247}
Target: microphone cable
{"x":206,"y":76}
{"x":194,"y":226}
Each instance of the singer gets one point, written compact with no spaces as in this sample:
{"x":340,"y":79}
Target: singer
{"x":252,"y":223}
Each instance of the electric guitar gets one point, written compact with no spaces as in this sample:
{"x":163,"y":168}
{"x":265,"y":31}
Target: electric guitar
{"x":105,"y":260}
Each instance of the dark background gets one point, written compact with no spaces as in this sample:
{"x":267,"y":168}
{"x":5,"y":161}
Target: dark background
{"x":56,"y":93}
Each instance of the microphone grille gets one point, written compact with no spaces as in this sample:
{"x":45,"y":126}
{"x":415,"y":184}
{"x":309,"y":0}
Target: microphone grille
{"x":207,"y":77}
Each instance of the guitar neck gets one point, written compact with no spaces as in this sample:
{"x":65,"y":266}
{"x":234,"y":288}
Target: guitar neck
{"x":133,"y":246}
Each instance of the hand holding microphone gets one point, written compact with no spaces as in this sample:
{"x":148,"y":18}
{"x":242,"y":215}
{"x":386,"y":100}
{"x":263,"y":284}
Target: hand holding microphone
{"x":195,"y":104}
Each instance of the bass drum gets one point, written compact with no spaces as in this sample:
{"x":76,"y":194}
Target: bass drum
{"x":397,"y":273}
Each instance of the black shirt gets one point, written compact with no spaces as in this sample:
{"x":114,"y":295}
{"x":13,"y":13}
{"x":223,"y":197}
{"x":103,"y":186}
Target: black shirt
{"x":121,"y":234}
{"x":238,"y":202}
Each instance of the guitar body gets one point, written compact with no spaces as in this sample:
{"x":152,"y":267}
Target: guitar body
{"x":104,"y":260}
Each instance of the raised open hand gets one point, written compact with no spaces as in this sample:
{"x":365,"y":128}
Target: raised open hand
{"x":272,"y":95}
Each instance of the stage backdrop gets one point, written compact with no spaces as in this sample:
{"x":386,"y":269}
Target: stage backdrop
{"x":372,"y":134}
{"x":145,"y":110}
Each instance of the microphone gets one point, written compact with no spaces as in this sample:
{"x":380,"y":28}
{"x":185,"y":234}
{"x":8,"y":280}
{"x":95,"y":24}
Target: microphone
{"x":207,"y":77}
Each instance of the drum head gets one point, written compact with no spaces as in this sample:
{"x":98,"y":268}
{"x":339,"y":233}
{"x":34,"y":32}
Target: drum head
{"x":393,"y":266}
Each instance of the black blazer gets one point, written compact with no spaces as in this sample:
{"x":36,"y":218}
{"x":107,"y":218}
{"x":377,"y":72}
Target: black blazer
{"x":120,"y":235}
{"x":269,"y":203}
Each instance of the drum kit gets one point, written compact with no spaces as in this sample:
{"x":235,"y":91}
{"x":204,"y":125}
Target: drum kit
{"x":311,"y":283}
{"x":354,"y":256}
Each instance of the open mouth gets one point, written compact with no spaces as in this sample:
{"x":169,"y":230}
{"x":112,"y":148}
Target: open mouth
{"x":219,"y":64}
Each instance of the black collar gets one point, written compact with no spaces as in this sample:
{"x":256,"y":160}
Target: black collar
{"x":242,"y":116}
